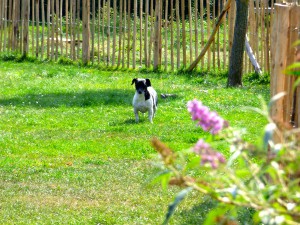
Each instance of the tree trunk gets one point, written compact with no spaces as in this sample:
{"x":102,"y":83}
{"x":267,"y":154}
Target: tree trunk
{"x":236,"y":56}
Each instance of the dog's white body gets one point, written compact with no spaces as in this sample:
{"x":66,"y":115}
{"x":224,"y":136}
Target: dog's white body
{"x":140,"y":104}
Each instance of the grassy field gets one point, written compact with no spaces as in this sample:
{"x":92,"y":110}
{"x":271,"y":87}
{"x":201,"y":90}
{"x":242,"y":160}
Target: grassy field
{"x":71,"y":152}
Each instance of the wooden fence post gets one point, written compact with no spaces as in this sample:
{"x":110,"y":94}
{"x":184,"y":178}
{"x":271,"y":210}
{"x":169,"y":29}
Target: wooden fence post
{"x":85,"y":31}
{"x":16,"y":18}
{"x":285,"y":25}
{"x":25,"y":25}
{"x":157,"y":37}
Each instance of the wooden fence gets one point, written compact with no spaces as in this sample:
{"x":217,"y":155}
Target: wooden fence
{"x":131,"y":33}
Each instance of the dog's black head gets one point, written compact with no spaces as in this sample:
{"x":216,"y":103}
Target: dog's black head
{"x":141,"y":86}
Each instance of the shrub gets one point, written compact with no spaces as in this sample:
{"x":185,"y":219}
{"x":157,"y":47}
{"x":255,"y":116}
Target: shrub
{"x":263,"y":177}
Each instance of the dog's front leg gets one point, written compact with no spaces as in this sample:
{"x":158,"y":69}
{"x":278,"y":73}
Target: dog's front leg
{"x":136,"y":113}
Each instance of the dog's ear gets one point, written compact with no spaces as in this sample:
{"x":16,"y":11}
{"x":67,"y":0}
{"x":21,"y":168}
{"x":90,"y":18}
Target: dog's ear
{"x":134,"y":81}
{"x":148,"y":83}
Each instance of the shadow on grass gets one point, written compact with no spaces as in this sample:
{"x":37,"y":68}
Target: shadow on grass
{"x":75,"y":99}
{"x":198,"y":213}
{"x":79,"y":99}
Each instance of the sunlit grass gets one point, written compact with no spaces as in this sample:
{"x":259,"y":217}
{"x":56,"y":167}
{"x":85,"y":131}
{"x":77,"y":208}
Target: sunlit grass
{"x":71,"y":152}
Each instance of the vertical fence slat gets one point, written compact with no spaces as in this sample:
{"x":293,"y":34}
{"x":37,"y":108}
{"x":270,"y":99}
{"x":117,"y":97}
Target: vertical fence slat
{"x":16,"y":24}
{"x":108,"y":32}
{"x":157,"y":37}
{"x":52,"y":29}
{"x":134,"y":33}
{"x":93,"y":30}
{"x":225,"y":30}
{"x":56,"y":28}
{"x":78,"y":39}
{"x":262,"y":32}
{"x":61,"y":26}
{"x":43,"y":29}
{"x":114,"y":32}
{"x":218,"y":37}
{"x":128,"y":34}
{"x":124,"y":34}
{"x":120,"y":33}
{"x":172,"y":35}
{"x":252,"y":26}
{"x":190,"y":30}
{"x":103,"y":30}
{"x":32,"y":25}
{"x":48,"y":28}
{"x":231,"y":20}
{"x":214,"y":41}
{"x":72,"y":48}
{"x":293,"y":51}
{"x":26,"y":26}
{"x":208,"y":32}
{"x":1,"y":22}
{"x":151,"y":32}
{"x":267,"y":50}
{"x":99,"y":29}
{"x":146,"y":34}
{"x":141,"y":32}
{"x":10,"y":17}
{"x":166,"y":34}
{"x":85,"y":31}
{"x":196,"y":29}
{"x":37,"y":4}
{"x":202,"y":30}
{"x":178,"y":33}
{"x":12,"y":37}
{"x":67,"y":26}
{"x":183,"y":32}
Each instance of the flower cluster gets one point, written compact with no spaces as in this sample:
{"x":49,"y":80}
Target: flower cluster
{"x":208,"y":155}
{"x":209,"y":121}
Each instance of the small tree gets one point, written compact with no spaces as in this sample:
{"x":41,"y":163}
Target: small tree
{"x":236,"y":55}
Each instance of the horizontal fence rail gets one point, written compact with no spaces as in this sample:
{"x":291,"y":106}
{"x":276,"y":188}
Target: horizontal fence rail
{"x":132,"y":33}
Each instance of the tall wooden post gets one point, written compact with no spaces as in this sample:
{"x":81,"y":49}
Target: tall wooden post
{"x":284,"y":34}
{"x":85,"y":31}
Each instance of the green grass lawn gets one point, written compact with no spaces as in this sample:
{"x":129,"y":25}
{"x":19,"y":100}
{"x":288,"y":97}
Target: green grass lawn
{"x":71,"y":152}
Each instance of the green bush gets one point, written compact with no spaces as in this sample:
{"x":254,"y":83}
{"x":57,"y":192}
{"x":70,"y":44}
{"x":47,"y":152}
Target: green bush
{"x":262,"y":177}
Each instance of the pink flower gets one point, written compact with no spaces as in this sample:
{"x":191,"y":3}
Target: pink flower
{"x":209,"y":121}
{"x":208,"y":155}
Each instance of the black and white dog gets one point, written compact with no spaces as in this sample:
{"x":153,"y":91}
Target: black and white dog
{"x":145,"y":98}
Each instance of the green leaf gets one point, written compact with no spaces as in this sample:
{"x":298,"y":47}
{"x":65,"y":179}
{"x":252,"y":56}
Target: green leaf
{"x":243,"y":173}
{"x":214,"y":214}
{"x":293,"y":69}
{"x":296,"y":43}
{"x":181,"y":195}
{"x":297,"y":82}
{"x":195,"y":162}
{"x":163,"y":177}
